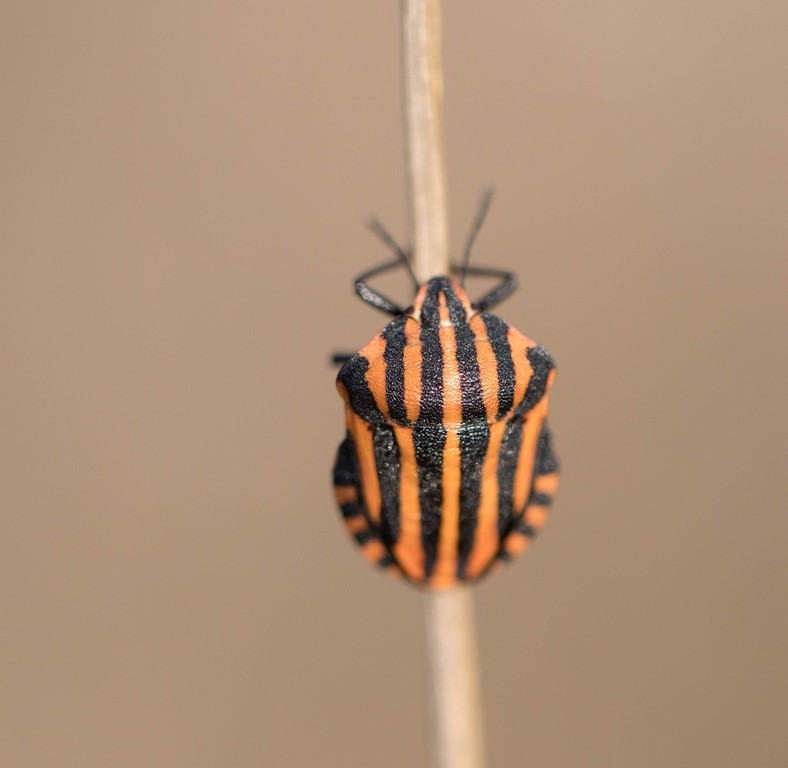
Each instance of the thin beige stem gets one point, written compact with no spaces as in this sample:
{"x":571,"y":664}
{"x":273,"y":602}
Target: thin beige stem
{"x":456,"y":737}
{"x":423,"y":103}
{"x":456,"y":725}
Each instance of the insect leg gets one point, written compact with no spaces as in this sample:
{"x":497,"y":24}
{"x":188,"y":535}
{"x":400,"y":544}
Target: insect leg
{"x":402,"y":255}
{"x":338,"y":358}
{"x":347,"y":489}
{"x":376,"y":299}
{"x":484,"y":206}
{"x":505,"y":288}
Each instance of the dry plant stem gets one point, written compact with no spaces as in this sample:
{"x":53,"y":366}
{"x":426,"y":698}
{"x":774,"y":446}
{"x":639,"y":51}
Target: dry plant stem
{"x":423,"y":102}
{"x":455,"y":728}
{"x":456,"y":734}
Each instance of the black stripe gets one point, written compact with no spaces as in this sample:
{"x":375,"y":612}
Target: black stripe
{"x":347,"y":473}
{"x":497,"y":331}
{"x":474,"y":437}
{"x":473,"y":433}
{"x":546,"y":460}
{"x":430,"y":307}
{"x":526,"y":530}
{"x":353,"y":375}
{"x":387,"y":459}
{"x":350,"y":509}
{"x":470,"y":378}
{"x":545,"y":463}
{"x":431,"y":404}
{"x":394,"y":356}
{"x":453,"y":304}
{"x":429,"y":441}
{"x":386,"y":560}
{"x":429,"y":435}
{"x":346,"y":465}
{"x":364,"y":537}
{"x":344,"y":479}
{"x":474,"y":440}
{"x":541,"y":364}
{"x":541,"y":499}
{"x":507,"y":467}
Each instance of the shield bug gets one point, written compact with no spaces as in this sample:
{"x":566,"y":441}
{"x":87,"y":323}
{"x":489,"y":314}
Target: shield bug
{"x":447,"y":468}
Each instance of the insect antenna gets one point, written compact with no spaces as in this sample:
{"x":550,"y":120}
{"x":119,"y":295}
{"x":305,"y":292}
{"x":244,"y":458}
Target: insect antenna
{"x":378,"y":229}
{"x":484,"y":206}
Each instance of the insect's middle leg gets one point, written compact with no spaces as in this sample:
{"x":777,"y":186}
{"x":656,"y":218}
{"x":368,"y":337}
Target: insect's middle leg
{"x":347,"y":489}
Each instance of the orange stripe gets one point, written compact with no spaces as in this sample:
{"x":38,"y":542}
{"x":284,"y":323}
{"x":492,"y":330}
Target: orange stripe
{"x":373,"y":551}
{"x":486,"y":539}
{"x":522,"y":368}
{"x":412,"y":361}
{"x":345,"y":494}
{"x":452,"y":393}
{"x":445,"y":570}
{"x":546,"y":483}
{"x":525,"y":466}
{"x":361,"y":431}
{"x":408,"y":550}
{"x":516,"y":543}
{"x":444,"y":573}
{"x":357,"y":524}
{"x":376,"y":373}
{"x":535,"y":515}
{"x":488,"y":367}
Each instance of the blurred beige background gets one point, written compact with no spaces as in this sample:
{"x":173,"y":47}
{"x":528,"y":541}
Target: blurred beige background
{"x":182,"y":190}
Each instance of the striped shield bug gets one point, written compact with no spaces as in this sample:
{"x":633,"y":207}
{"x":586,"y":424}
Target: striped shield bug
{"x":447,"y":468}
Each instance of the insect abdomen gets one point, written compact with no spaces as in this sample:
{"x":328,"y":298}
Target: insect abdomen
{"x":438,"y":523}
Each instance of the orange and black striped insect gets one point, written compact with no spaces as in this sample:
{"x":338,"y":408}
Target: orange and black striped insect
{"x":447,"y":467}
